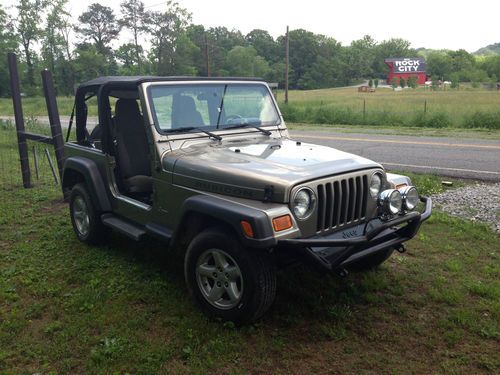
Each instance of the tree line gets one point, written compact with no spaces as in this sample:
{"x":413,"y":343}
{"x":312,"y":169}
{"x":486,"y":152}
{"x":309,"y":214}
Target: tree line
{"x":166,"y":42}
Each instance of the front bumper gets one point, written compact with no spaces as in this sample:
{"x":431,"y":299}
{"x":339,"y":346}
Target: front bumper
{"x":332,"y":254}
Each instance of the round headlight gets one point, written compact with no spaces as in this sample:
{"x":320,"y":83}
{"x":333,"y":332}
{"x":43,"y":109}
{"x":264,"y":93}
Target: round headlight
{"x":391,"y":201}
{"x":303,"y":203}
{"x":410,"y":197}
{"x":375,"y":184}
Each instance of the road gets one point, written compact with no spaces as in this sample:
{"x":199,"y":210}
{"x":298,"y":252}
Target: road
{"x":468,"y":158}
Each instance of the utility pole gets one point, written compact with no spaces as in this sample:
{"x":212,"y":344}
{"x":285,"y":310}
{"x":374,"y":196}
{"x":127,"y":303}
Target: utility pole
{"x":207,"y":57}
{"x":287,"y":50}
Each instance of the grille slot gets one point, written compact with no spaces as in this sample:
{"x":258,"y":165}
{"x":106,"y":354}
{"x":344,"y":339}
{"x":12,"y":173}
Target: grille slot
{"x":341,"y":202}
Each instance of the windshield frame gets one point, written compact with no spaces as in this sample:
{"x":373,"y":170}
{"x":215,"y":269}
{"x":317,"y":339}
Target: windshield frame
{"x":197,"y":134}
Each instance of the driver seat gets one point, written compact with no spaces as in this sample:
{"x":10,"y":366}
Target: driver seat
{"x":184,"y":112}
{"x":132,"y":147}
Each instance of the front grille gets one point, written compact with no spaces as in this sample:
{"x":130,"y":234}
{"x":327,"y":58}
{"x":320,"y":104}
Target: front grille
{"x":341,"y":202}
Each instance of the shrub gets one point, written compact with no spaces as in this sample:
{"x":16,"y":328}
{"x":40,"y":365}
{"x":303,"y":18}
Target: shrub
{"x":375,"y":82}
{"x":394,"y":83}
{"x":487,"y":120}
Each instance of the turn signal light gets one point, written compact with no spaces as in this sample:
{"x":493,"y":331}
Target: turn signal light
{"x":282,"y":222}
{"x":247,"y":228}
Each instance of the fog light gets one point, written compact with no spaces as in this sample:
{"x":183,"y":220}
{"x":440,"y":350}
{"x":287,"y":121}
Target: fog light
{"x":410,"y":197}
{"x":390,"y":200}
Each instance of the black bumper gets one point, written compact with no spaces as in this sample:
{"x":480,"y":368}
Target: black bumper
{"x":334,"y":253}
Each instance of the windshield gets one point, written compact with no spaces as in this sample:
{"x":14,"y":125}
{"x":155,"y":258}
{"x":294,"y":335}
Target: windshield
{"x":212,"y":106}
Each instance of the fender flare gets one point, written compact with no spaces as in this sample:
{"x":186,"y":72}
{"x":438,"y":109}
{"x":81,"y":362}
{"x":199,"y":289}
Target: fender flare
{"x":93,"y":180}
{"x":230,"y":213}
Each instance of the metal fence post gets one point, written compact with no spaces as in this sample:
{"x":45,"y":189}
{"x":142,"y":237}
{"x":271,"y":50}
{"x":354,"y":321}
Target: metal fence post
{"x":18,"y":114}
{"x":55,"y":121}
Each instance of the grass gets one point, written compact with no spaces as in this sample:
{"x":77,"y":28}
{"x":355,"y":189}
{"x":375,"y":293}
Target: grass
{"x":123,"y":308}
{"x":466,"y":109}
{"x":417,"y":108}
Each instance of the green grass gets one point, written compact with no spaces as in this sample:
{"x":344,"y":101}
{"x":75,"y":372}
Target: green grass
{"x":123,"y":308}
{"x":443,"y":109}
{"x":466,"y":109}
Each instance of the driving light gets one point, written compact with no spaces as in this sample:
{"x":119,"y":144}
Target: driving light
{"x":303,"y":203}
{"x":410,"y":197}
{"x":390,"y":200}
{"x":375,"y":184}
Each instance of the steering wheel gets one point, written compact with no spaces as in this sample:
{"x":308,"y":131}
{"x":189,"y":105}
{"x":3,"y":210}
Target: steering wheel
{"x":230,"y":118}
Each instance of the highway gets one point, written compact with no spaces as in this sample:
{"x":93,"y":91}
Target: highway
{"x":452,"y":157}
{"x":467,"y":158}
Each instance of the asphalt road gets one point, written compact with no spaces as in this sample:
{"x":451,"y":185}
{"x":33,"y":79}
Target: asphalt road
{"x":468,"y":158}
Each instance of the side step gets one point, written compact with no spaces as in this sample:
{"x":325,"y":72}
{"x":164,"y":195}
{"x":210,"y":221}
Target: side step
{"x":125,"y":227}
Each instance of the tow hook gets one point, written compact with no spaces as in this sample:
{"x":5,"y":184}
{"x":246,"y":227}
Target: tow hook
{"x":342,"y":272}
{"x":400,"y":248}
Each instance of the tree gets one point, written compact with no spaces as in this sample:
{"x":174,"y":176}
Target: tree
{"x":375,"y":82}
{"x":439,"y":65}
{"x":370,"y":83}
{"x":133,"y":17}
{"x":8,"y":43}
{"x":245,"y":62}
{"x":304,"y":49}
{"x":127,"y":55}
{"x":264,"y":44}
{"x":402,"y":82}
{"x":394,"y":47}
{"x":89,"y":62}
{"x":359,"y":58}
{"x":98,"y":24}
{"x":394,"y":83}
{"x":53,"y":42}
{"x":165,"y":28}
{"x":29,"y":31}
{"x":220,"y":41}
{"x":412,"y":82}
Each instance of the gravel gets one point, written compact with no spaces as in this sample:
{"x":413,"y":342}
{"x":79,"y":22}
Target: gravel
{"x":479,"y":202}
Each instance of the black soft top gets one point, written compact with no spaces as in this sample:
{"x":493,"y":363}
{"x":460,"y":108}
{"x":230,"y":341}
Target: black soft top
{"x":132,"y":81}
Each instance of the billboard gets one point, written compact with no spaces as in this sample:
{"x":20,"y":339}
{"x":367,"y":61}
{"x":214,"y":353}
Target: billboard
{"x":406,"y":65}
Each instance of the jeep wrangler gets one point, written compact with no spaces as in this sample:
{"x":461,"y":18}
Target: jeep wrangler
{"x":207,"y":165}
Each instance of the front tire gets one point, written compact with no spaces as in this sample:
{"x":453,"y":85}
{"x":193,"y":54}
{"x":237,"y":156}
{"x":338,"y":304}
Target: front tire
{"x":85,"y":218}
{"x":226,"y":280}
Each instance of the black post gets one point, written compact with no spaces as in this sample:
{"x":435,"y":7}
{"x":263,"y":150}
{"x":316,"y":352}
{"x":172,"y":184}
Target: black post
{"x":207,"y":56}
{"x":55,"y":121}
{"x":287,"y":62}
{"x":18,"y":113}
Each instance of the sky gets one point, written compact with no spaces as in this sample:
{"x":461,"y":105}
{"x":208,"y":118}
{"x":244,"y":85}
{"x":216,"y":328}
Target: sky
{"x":435,"y":24}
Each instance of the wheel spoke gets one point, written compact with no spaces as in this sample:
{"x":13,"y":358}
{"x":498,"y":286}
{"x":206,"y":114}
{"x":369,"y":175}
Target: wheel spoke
{"x":220,"y":259}
{"x":232,"y":292}
{"x":233,"y":273}
{"x":206,"y":270}
{"x":215,"y":293}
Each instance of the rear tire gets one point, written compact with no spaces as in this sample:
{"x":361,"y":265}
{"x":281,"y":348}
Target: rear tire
{"x":85,"y":219}
{"x":226,"y":280}
{"x":371,"y":261}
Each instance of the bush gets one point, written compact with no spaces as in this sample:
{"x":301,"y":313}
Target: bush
{"x":435,"y":120}
{"x":487,"y":120}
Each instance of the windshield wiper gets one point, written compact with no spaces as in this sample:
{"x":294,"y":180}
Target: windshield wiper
{"x":266,"y":132}
{"x":191,"y":128}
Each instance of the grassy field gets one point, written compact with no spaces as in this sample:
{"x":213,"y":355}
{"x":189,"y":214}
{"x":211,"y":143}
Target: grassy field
{"x":417,"y":108}
{"x":123,"y":308}
{"x":420,"y":108}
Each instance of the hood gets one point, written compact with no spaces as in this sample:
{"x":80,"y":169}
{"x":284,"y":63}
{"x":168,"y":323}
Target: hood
{"x":265,"y":170}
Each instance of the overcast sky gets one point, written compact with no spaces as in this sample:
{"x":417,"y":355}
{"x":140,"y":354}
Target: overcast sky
{"x":425,"y":23}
